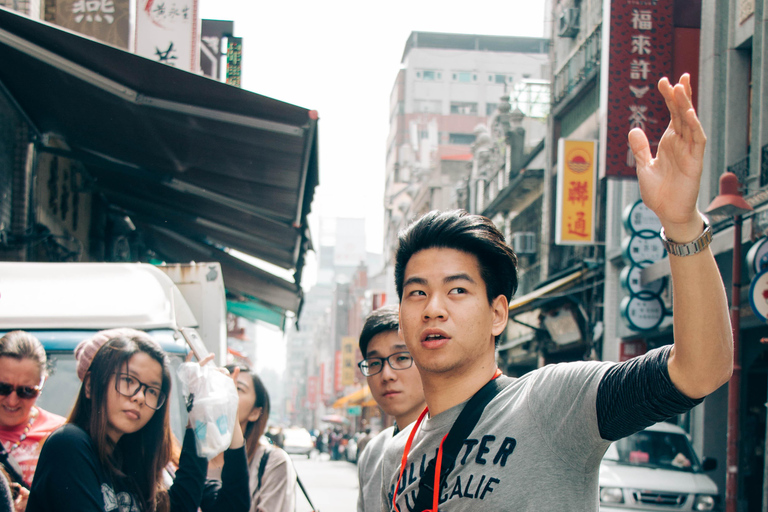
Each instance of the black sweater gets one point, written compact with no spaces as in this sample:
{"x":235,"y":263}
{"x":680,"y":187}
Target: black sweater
{"x":69,"y":477}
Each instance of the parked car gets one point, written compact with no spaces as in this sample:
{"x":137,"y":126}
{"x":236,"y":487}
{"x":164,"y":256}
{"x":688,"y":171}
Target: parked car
{"x":297,"y":440}
{"x":656,"y":469}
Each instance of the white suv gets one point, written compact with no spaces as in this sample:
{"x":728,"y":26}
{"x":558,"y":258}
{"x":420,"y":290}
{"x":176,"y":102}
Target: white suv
{"x":656,"y":469}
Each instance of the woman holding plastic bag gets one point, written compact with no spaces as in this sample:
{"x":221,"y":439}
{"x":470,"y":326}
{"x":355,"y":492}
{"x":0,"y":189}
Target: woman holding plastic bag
{"x":111,"y":454}
{"x":272,"y":476}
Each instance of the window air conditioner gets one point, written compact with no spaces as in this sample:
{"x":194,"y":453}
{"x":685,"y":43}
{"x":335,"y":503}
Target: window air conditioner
{"x":569,"y":22}
{"x":524,"y":243}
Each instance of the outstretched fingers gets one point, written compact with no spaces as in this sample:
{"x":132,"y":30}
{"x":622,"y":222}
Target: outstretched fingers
{"x":668,"y":92}
{"x":638,"y":142}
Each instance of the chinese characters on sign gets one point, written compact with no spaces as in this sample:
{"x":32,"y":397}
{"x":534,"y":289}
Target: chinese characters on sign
{"x":105,"y":20}
{"x":313,"y":383}
{"x":234,"y":60}
{"x":348,"y":345}
{"x":167,"y":31}
{"x":639,"y":53}
{"x":576,"y":178}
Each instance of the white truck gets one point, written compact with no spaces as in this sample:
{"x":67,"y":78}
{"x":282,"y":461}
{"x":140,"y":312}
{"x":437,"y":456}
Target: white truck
{"x":65,"y":303}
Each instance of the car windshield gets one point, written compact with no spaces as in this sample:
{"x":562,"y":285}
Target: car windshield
{"x":298,"y":437}
{"x":62,"y":386}
{"x":653,"y":449}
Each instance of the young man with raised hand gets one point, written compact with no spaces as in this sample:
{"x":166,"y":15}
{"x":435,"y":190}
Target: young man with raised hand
{"x":537,"y":442}
{"x":395,"y":385}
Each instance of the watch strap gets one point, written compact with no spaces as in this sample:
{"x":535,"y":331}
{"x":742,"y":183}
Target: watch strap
{"x":690,"y":248}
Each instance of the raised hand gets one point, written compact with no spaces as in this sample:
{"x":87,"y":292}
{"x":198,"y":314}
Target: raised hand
{"x":669,"y":183}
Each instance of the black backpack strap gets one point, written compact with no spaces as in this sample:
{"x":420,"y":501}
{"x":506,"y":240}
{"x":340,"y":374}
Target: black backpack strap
{"x":459,"y":432}
{"x":12,"y":467}
{"x":263,"y":465}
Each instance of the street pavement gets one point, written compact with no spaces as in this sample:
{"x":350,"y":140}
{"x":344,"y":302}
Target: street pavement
{"x":332,"y":485}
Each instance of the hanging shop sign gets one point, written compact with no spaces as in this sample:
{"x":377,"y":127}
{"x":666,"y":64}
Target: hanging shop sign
{"x":636,"y":53}
{"x":638,"y":218}
{"x":758,"y":295}
{"x":108,"y":21}
{"x":757,"y":257}
{"x":631,"y":280}
{"x":631,"y":348}
{"x":348,"y":345}
{"x":169,"y":32}
{"x":643,"y":249}
{"x":576,"y":179}
{"x":643,"y":313}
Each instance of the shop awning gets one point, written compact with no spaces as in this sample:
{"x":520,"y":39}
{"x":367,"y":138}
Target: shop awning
{"x":218,"y":165}
{"x":358,"y":397}
{"x":536,"y":297}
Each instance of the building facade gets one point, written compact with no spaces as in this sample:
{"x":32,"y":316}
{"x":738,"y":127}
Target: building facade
{"x":448,"y":88}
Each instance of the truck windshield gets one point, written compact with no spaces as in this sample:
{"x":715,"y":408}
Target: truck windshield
{"x":62,"y":386}
{"x":653,"y":449}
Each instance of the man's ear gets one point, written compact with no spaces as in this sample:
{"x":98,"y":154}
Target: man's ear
{"x":87,"y":384}
{"x":255,"y":414}
{"x":500,"y":311}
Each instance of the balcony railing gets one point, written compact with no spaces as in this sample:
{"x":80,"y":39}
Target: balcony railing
{"x":741,"y":170}
{"x":764,"y":166}
{"x":578,"y":67}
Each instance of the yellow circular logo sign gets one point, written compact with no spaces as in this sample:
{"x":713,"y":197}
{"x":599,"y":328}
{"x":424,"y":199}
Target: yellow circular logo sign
{"x":578,"y":160}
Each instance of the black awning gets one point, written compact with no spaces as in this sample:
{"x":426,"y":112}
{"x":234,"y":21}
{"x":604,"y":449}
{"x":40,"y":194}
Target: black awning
{"x":220,"y":165}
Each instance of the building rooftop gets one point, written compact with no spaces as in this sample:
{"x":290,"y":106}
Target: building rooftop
{"x":447,"y":41}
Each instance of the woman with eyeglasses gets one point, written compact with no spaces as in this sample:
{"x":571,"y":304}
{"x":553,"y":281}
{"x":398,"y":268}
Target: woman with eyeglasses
{"x":111,"y":453}
{"x":23,"y":426}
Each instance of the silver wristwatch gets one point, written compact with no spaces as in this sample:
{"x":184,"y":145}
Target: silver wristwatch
{"x":698,"y":245}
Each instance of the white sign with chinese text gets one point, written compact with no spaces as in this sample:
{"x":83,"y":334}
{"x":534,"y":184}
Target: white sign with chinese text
{"x":168,"y":31}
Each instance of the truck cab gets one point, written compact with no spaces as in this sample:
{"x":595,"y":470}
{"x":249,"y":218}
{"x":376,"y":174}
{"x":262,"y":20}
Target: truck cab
{"x":64,"y":303}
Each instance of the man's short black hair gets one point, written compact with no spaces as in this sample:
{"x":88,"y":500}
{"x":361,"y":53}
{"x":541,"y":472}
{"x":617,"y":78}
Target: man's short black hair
{"x":472,"y":234}
{"x":380,"y":320}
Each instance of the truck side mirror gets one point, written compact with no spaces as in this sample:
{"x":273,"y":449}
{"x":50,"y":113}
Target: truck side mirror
{"x":708,"y":464}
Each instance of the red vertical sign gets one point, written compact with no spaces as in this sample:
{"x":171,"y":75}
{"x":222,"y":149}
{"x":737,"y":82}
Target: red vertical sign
{"x":631,"y":348}
{"x":312,"y":385}
{"x":639,"y":54}
{"x":337,"y":367}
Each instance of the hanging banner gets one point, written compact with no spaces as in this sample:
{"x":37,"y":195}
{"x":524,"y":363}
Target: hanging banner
{"x":636,"y":54}
{"x":169,"y":32}
{"x":576,"y":178}
{"x":348,"y":344}
{"x":337,"y":366}
{"x":108,"y":21}
{"x":313,"y":382}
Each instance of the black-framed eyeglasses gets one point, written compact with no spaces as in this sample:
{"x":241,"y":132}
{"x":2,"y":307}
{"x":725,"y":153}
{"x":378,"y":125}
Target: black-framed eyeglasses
{"x":23,"y":392}
{"x":397,"y":361}
{"x":127,"y":385}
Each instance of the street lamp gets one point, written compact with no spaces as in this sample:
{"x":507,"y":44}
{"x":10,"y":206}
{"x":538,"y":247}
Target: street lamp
{"x":731,"y":203}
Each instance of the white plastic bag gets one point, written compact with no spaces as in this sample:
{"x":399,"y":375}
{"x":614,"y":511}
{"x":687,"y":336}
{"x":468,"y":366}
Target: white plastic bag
{"x":213,"y":398}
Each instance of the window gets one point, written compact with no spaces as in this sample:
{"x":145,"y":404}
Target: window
{"x":464,"y":108}
{"x":490,"y":108}
{"x":429,"y":74}
{"x":461,"y":138}
{"x":464,"y":76}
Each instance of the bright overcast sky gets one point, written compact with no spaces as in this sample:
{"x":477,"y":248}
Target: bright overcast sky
{"x":341,"y":58}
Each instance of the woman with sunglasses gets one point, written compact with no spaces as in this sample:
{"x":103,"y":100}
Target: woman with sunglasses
{"x":23,"y":426}
{"x":111,"y":453}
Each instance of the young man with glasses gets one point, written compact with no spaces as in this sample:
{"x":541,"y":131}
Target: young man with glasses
{"x":535,"y":443}
{"x":395,"y":385}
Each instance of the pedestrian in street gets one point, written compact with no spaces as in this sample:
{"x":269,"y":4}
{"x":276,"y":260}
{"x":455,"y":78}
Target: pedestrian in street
{"x":535,"y":443}
{"x":24,"y":426}
{"x":111,"y":453}
{"x":272,"y":476}
{"x":395,"y":385}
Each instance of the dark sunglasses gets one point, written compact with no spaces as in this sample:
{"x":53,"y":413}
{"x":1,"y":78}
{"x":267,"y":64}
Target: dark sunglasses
{"x":21,"y":391}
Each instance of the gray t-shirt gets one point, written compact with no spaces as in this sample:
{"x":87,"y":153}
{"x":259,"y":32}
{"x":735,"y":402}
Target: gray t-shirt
{"x":536,"y":447}
{"x":369,"y":471}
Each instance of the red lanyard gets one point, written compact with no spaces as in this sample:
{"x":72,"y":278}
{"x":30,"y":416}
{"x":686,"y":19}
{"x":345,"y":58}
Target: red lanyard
{"x":438,"y":461}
